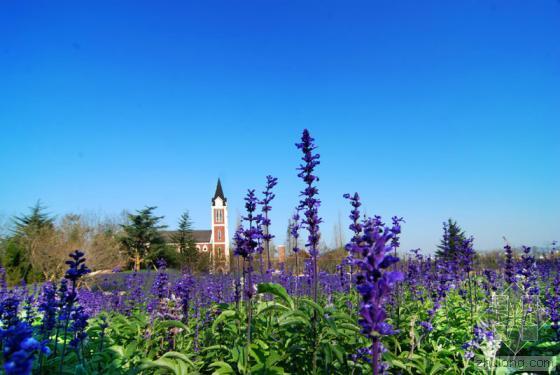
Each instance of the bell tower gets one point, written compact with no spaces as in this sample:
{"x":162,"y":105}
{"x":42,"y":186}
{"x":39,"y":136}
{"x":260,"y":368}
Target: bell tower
{"x":220,"y":236}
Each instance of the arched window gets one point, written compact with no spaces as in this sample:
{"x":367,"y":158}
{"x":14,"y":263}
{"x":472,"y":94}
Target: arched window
{"x":219,"y":234}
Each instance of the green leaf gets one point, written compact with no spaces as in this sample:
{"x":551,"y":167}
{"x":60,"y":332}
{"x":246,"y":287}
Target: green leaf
{"x":270,"y":306}
{"x":223,"y":316}
{"x":397,"y":363}
{"x":313,"y":305}
{"x":177,"y":355}
{"x":278,"y":291}
{"x":161,"y":363}
{"x":130,"y":349}
{"x":292,"y":321}
{"x":258,"y":354}
{"x":173,"y":324}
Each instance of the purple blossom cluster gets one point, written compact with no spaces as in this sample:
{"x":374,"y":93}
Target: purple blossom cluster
{"x":370,"y":249}
{"x":553,"y":305}
{"x":309,"y":202}
{"x":61,"y":318}
{"x":265,"y":208}
{"x":247,"y":241}
{"x":509,"y":268}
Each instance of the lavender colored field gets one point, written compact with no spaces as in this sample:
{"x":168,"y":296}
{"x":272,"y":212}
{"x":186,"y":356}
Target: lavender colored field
{"x":383,"y":311}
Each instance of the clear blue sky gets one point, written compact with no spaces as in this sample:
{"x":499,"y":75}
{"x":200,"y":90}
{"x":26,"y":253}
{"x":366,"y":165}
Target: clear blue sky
{"x":430,"y":109}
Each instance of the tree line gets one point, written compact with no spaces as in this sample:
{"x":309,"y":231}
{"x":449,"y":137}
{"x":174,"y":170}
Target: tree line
{"x":35,"y":245}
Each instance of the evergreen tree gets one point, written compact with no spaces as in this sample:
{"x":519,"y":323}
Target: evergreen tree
{"x":33,"y":222}
{"x":27,"y":235}
{"x":142,"y":238}
{"x":15,"y":261}
{"x":452,"y":241}
{"x":186,"y":243}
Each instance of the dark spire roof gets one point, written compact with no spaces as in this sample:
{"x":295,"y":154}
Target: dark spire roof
{"x":219,"y":192}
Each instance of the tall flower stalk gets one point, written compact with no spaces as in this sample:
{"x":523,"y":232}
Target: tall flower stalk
{"x":247,"y":241}
{"x":268,"y":197}
{"x":553,"y":305}
{"x":294,"y":232}
{"x":310,"y":202}
{"x":509,"y":267}
{"x":375,"y":283}
{"x":76,"y":270}
{"x":356,"y":228}
{"x":466,"y":259}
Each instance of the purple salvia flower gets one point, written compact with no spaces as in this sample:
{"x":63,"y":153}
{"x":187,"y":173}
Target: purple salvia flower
{"x":68,"y":298}
{"x":528,"y":274}
{"x":239,"y":242}
{"x":294,"y":230}
{"x":427,"y":326}
{"x":20,"y":349}
{"x":9,"y":309}
{"x":135,"y":297}
{"x":160,"y":287}
{"x":309,"y":202}
{"x":375,"y":283}
{"x":553,"y":305}
{"x":183,"y":290}
{"x":481,"y":335}
{"x":77,"y":267}
{"x":467,"y":255}
{"x":247,"y":240}
{"x":271,"y":182}
{"x":47,"y":306}
{"x":490,"y":284}
{"x":396,"y":229}
{"x":509,"y":268}
{"x":355,"y":226}
{"x":79,"y":324}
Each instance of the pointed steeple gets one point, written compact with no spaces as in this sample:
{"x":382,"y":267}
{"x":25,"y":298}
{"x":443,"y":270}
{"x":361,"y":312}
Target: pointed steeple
{"x":219,"y":193}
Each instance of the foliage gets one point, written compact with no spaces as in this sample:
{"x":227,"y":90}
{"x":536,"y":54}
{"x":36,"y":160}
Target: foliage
{"x":450,"y":244}
{"x":185,"y":241}
{"x":33,"y":222}
{"x":142,"y":239}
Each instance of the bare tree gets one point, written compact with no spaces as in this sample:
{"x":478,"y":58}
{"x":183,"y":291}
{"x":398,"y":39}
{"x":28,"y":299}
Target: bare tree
{"x":103,"y":247}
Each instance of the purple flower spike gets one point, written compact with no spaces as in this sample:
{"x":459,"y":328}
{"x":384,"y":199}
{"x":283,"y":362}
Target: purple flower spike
{"x":371,"y":247}
{"x":309,"y":201}
{"x":268,"y":197}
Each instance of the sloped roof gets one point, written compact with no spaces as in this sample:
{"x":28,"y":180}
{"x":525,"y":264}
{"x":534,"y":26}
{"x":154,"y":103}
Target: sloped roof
{"x":200,"y":236}
{"x":219,"y":192}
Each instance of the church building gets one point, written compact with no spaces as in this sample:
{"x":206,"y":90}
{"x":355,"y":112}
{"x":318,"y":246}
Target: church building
{"x":214,"y":241}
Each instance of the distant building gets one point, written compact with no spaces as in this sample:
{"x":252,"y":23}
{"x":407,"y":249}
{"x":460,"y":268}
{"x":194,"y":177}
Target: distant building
{"x":281,"y":254}
{"x":215,"y":240}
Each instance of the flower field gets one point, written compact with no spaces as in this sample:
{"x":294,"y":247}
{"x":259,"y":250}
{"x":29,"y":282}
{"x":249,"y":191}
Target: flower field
{"x":385,"y":310}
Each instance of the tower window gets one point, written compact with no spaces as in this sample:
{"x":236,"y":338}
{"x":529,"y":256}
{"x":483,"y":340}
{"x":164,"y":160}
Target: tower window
{"x":219,"y":234}
{"x":219,"y":216}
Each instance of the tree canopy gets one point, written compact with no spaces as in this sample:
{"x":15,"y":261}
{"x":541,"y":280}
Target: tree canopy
{"x":186,"y":243}
{"x":452,"y":241}
{"x":142,"y":239}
